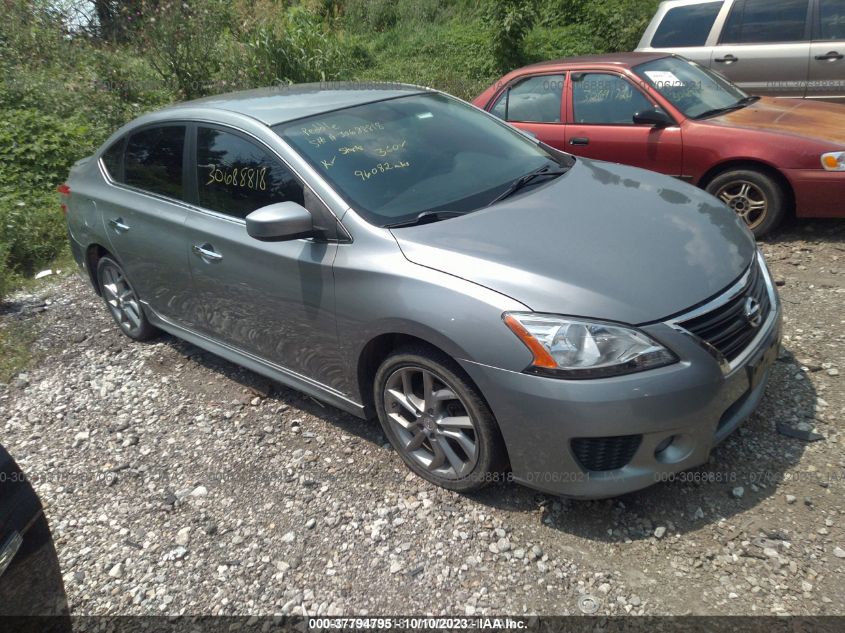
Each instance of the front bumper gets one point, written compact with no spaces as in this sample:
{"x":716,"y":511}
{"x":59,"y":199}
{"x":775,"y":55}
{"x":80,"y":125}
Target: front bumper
{"x":696,"y":402}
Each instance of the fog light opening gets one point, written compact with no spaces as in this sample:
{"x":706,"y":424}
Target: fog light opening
{"x":673,"y":449}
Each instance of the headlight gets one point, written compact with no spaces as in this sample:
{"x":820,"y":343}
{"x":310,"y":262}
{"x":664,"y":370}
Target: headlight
{"x":573,"y":348}
{"x":834,"y":161}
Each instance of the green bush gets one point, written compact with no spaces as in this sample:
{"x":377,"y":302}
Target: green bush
{"x":301,"y":47}
{"x":36,"y":152}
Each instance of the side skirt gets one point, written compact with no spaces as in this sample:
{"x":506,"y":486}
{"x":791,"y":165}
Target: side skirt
{"x":259,"y":365}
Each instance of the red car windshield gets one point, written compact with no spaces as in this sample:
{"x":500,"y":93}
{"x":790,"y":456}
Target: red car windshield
{"x":694,"y":90}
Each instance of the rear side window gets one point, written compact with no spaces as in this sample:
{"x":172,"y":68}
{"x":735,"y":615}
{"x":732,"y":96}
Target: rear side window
{"x":236,"y":176}
{"x":113,"y":161}
{"x":832,"y":19}
{"x":686,"y":26}
{"x":154,"y":160}
{"x":536,"y":99}
{"x":764,"y":21}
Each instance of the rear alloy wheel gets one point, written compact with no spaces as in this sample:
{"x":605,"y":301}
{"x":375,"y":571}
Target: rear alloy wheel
{"x":122,"y":301}
{"x":437,"y":422}
{"x":754,"y":196}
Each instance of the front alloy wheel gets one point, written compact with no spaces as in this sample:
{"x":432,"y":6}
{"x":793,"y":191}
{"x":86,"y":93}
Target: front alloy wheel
{"x":437,"y":421}
{"x":756,"y":197}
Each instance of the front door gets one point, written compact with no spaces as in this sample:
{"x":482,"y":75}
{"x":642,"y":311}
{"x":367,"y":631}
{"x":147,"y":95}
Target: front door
{"x":274,"y":300}
{"x":601,"y":125}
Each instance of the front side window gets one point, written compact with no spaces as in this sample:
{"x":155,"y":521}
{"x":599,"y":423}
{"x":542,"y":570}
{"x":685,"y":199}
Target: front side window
{"x":394,"y":159}
{"x":694,"y":90}
{"x":764,"y":21}
{"x":832,"y":19}
{"x":235,"y":176}
{"x":686,"y":26}
{"x":153,"y":160}
{"x":604,"y":99}
{"x":535,"y":99}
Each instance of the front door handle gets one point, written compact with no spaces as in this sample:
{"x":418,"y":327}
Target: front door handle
{"x":579,"y":140}
{"x":727,"y":59}
{"x":832,"y":56}
{"x":118,"y":225}
{"x":207,"y":252}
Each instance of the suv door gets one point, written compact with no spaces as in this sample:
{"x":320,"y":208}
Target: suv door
{"x":827,"y":52}
{"x":601,"y":125}
{"x":274,"y":300}
{"x":685,"y":29}
{"x":534,"y":104}
{"x":764,"y":47}
{"x":145,"y":210}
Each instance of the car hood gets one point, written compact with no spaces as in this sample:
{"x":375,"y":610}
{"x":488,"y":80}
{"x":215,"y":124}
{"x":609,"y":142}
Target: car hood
{"x":604,"y":241}
{"x":802,"y":117}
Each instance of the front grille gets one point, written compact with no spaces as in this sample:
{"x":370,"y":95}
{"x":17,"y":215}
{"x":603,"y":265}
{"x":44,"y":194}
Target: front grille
{"x":605,"y":453}
{"x":727,"y":328}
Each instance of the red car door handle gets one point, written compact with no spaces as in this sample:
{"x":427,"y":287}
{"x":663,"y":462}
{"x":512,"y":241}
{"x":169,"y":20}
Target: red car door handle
{"x":727,"y":59}
{"x":580,"y":140}
{"x":832,"y":56}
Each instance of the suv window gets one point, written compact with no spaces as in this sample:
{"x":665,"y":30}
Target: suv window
{"x":154,"y":160}
{"x":113,"y":160}
{"x":600,"y":98}
{"x":686,"y":26}
{"x":536,"y":99}
{"x":762,"y":21}
{"x":236,"y":176}
{"x":832,"y":18}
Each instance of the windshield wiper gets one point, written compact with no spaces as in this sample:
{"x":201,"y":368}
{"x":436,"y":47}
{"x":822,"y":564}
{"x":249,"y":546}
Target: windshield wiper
{"x":526,"y":180}
{"x":426,"y":217}
{"x":736,"y":106}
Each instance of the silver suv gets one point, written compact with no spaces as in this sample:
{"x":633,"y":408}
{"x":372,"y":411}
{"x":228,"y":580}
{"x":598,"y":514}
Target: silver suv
{"x":777,"y":48}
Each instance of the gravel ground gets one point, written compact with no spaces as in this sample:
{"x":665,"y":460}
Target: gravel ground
{"x":176,"y":482}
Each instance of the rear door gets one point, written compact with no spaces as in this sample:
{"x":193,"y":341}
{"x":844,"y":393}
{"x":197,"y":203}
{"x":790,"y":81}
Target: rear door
{"x":535,"y":104}
{"x":274,"y":300}
{"x":827,"y":52}
{"x":601,"y":124}
{"x":764,"y":47}
{"x":144,"y":211}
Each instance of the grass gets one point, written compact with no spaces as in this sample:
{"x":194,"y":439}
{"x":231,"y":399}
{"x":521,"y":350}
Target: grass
{"x":16,"y":355}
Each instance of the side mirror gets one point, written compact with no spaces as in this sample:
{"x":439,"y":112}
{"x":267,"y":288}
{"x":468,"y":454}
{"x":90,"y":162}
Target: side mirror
{"x":279,"y":222}
{"x":653,"y":116}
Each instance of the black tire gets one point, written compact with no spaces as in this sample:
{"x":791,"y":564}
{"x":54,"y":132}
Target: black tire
{"x":480,"y":467}
{"x":743,"y":189}
{"x":122,"y":302}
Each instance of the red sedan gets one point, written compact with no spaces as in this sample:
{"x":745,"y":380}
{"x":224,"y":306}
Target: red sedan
{"x":763,"y":157}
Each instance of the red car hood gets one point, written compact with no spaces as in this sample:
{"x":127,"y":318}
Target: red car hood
{"x":810,"y":119}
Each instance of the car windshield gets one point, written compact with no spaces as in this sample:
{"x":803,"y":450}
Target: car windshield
{"x":694,"y":90}
{"x":396,"y":159}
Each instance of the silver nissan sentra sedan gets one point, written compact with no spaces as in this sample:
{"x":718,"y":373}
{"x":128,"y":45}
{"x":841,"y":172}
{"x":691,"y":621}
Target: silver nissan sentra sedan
{"x":506,"y":310}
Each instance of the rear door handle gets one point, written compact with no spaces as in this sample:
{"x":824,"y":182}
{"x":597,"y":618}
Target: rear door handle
{"x":727,"y":59}
{"x":832,"y":56}
{"x":579,"y":140}
{"x":118,"y":225}
{"x":207,"y":252}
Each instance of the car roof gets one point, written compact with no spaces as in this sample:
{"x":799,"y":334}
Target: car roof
{"x":622,"y":60}
{"x":279,"y":104}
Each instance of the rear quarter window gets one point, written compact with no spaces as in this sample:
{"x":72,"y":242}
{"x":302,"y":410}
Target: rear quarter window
{"x":686,"y":26}
{"x":113,"y":160}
